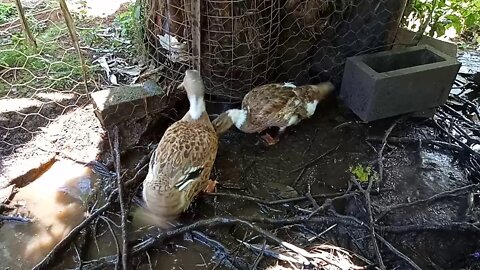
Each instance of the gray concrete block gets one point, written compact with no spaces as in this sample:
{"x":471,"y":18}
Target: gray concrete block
{"x":119,"y":104}
{"x":405,"y":38}
{"x":392,"y":83}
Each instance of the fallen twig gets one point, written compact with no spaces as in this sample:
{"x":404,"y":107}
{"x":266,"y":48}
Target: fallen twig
{"x":371,"y":222}
{"x":309,"y":163}
{"x":270,"y":253}
{"x":52,"y":255}
{"x":366,"y":193}
{"x":215,"y":222}
{"x":452,"y":226}
{"x":449,"y":193}
{"x":380,"y":153}
{"x":225,"y":255}
{"x":115,"y":240}
{"x":275,"y":202}
{"x":47,"y":262}
{"x":462,"y":144}
{"x":398,"y":140}
{"x":121,"y":195}
{"x":398,"y":253}
{"x":328,"y":203}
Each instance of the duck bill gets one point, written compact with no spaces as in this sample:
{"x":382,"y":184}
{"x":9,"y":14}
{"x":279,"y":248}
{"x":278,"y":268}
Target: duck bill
{"x":180,"y":86}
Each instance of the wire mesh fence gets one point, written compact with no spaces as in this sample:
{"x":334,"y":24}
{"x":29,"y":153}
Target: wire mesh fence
{"x":42,"y":87}
{"x":37,"y":84}
{"x":236,"y":44}
{"x":240,"y":44}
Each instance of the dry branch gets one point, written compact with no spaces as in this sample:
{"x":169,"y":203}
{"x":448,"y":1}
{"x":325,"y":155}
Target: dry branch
{"x":47,"y":262}
{"x":462,"y":144}
{"x":451,"y":227}
{"x":121,"y":195}
{"x":220,"y":221}
{"x":445,"y":194}
{"x":366,"y":193}
{"x":398,"y":140}
{"x":275,"y":202}
{"x":398,"y":253}
{"x":309,"y":163}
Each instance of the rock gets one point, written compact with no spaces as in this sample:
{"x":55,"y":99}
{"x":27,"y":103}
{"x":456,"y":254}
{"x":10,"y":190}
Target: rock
{"x":25,"y":169}
{"x":116,"y":105}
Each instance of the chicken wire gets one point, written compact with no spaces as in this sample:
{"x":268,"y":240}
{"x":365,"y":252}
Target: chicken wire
{"x":240,"y":44}
{"x":37,"y":85}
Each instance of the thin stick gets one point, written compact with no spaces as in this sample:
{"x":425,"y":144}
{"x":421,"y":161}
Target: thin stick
{"x":314,"y":160}
{"x":367,"y":193}
{"x":398,"y":252}
{"x":140,"y":248}
{"x":371,"y":222}
{"x":380,"y":153}
{"x":62,"y":245}
{"x":73,"y":35}
{"x":398,"y":140}
{"x":276,"y":202}
{"x":450,"y":227}
{"x":24,"y":22}
{"x":121,"y":195}
{"x":368,"y":200}
{"x":435,"y":197}
{"x":328,"y":203}
{"x":462,"y":144}
{"x":117,"y":245}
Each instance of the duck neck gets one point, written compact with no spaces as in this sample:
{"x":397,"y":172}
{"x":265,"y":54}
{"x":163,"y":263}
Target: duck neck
{"x":238,"y":117}
{"x":197,"y":106}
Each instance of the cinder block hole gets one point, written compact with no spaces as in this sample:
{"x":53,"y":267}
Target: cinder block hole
{"x":397,"y":61}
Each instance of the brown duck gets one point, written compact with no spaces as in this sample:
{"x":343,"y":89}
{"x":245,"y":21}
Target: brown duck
{"x":273,"y":105}
{"x":180,"y":167}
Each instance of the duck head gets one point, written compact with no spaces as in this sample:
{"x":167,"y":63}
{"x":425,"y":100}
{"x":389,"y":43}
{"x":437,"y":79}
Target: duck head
{"x":193,"y":85}
{"x":319,"y":92}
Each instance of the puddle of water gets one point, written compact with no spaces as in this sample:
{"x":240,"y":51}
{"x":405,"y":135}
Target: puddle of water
{"x":55,"y":202}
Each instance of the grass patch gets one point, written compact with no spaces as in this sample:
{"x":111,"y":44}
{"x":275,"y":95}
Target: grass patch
{"x":54,"y":64}
{"x":7,"y":12}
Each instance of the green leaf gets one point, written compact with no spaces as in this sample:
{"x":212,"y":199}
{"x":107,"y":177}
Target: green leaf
{"x":471,"y":20}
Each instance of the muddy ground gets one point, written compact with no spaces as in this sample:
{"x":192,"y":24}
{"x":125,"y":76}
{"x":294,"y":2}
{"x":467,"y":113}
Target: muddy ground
{"x":313,"y":158}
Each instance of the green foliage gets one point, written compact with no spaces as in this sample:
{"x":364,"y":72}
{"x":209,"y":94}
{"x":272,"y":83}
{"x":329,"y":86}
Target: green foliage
{"x":126,"y":31}
{"x":128,"y":21}
{"x":462,"y":15}
{"x":49,"y":65}
{"x":7,"y":11}
{"x":364,"y":173}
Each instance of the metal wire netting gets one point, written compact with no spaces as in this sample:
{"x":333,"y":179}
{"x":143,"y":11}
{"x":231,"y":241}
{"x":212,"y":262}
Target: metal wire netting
{"x":240,"y":44}
{"x":236,"y":44}
{"x":38,"y":84}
